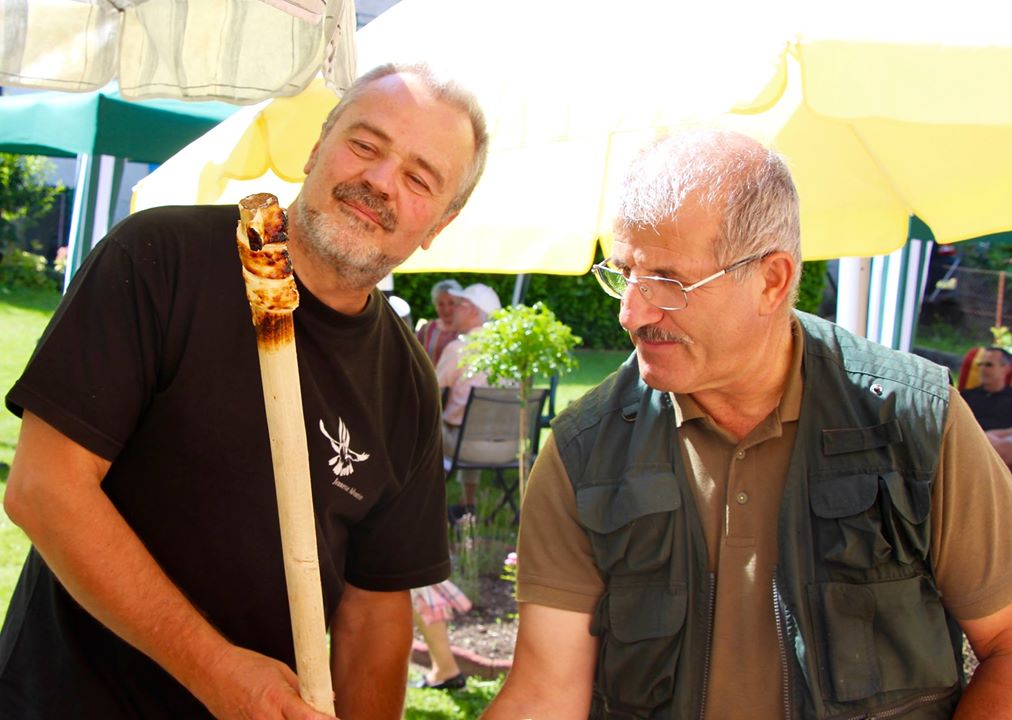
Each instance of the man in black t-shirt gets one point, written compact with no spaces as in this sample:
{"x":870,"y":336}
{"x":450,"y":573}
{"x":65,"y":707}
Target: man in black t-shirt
{"x":155,"y":585}
{"x":991,"y":401}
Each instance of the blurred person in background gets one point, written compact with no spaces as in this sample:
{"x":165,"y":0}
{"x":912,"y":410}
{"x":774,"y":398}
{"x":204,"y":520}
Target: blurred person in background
{"x":436,"y":334}
{"x":471,"y":310}
{"x":991,"y":400}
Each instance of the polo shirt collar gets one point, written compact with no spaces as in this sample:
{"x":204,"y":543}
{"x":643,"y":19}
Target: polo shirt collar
{"x":789,"y":409}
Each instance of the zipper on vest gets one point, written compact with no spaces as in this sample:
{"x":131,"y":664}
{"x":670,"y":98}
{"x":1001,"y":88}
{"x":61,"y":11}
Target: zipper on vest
{"x":906,"y":707}
{"x":781,"y":620}
{"x":709,"y":642}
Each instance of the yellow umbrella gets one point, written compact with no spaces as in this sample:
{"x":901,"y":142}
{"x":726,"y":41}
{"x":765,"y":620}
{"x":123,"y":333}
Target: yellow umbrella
{"x":261,"y":148}
{"x":880,"y":116}
{"x":876,"y":132}
{"x":565,"y":112}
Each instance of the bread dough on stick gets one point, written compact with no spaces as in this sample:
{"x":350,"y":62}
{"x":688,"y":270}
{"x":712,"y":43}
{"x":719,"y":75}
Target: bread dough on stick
{"x":273,"y":296}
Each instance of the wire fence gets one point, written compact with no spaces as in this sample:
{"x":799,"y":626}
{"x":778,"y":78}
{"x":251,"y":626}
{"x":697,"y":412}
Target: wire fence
{"x":971,"y":300}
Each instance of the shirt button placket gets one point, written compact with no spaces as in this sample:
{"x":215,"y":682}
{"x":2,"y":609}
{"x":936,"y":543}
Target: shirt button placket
{"x":740,"y":497}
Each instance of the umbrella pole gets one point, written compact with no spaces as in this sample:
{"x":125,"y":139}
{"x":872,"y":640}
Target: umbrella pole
{"x":271,"y":291}
{"x":999,"y":306}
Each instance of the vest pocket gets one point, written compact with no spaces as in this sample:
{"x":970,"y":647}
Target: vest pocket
{"x":880,"y":638}
{"x":641,"y":627}
{"x":866,"y":519}
{"x":631,"y":522}
{"x":848,"y":529}
{"x":908,"y":504}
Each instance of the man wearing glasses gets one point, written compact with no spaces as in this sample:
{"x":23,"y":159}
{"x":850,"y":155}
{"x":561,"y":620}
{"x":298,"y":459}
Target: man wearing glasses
{"x":758,"y":515}
{"x":991,"y":401}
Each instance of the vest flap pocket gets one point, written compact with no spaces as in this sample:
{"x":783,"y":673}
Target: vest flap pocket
{"x":879,"y":638}
{"x":911,"y":498}
{"x":847,"y":440}
{"x":843,"y":496}
{"x":606,"y":508}
{"x":645,"y":612}
{"x":641,"y":642}
{"x":847,"y":613}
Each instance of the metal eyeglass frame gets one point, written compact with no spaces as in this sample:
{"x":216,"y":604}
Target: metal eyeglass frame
{"x":604,"y":275}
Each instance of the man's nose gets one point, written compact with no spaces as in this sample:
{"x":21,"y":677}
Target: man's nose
{"x":635,"y":311}
{"x":381,"y":175}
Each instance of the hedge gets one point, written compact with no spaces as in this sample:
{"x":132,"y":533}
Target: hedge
{"x":576,"y":300}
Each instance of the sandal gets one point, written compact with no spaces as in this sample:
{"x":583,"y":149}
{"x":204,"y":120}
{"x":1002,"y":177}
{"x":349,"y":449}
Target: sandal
{"x":456,"y":682}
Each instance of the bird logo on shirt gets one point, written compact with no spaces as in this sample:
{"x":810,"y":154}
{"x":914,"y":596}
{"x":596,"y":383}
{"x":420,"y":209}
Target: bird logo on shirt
{"x":343,"y":462}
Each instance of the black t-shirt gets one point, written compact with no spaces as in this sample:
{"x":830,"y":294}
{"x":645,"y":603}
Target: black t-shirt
{"x":151,"y":362}
{"x":993,"y":410}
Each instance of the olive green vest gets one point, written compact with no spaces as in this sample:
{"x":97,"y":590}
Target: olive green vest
{"x":859,"y":619}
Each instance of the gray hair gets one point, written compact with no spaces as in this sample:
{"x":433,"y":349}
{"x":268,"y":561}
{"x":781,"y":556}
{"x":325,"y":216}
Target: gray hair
{"x":747,"y":183}
{"x":444,"y":286}
{"x":444,"y":90}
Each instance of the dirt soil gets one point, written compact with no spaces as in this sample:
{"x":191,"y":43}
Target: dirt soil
{"x":490,"y":628}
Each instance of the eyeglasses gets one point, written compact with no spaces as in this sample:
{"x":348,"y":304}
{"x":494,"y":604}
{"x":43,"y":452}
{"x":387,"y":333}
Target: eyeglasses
{"x":663,"y":293}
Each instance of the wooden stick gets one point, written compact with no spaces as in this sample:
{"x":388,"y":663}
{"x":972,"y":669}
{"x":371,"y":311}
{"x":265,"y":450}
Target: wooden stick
{"x":273,"y":296}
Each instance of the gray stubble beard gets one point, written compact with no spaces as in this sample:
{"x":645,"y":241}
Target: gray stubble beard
{"x":359,"y":265}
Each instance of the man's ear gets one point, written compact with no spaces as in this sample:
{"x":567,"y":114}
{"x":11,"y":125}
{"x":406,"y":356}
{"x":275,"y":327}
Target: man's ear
{"x":427,"y":242}
{"x":312,"y":158}
{"x":776,"y":271}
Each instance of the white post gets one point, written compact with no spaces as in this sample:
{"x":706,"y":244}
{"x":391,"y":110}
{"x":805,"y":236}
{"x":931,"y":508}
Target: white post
{"x":852,"y":294}
{"x":916,"y":277}
{"x":104,"y":201}
{"x":518,"y":289}
{"x":78,"y":218}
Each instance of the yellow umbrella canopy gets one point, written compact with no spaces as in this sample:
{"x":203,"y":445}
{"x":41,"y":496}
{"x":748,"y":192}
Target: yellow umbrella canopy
{"x":876,"y":132}
{"x":570,"y":90}
{"x":882,"y":112}
{"x":261,"y":148}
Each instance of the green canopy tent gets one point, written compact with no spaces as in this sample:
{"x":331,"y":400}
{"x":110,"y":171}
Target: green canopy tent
{"x":102,"y":130}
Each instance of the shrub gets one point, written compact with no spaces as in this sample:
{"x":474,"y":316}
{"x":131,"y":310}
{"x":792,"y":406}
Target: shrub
{"x":22,"y":269}
{"x":24,"y":195}
{"x":812,"y":285}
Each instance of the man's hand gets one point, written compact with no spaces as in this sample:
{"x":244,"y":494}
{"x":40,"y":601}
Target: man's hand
{"x":245,"y":685}
{"x":370,"y":643}
{"x":553,"y":667}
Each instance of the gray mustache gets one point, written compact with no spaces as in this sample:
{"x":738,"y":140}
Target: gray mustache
{"x":651,"y":333}
{"x":362,"y":195}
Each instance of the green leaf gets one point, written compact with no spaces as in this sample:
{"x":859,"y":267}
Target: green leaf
{"x":519,"y":343}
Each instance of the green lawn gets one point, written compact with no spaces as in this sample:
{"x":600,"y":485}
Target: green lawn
{"x":23,"y":317}
{"x":594,"y":366}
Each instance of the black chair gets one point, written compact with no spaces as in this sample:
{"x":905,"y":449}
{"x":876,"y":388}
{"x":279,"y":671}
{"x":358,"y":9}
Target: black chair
{"x":545,"y":420}
{"x":489,"y":438}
